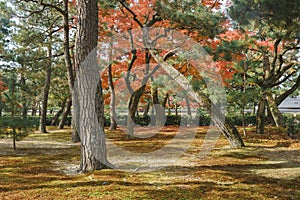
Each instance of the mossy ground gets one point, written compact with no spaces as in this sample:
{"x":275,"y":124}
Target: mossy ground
{"x":267,"y":168}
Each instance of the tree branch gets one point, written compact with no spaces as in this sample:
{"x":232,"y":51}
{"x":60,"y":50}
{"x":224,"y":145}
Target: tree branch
{"x":283,"y":96}
{"x":133,"y":14}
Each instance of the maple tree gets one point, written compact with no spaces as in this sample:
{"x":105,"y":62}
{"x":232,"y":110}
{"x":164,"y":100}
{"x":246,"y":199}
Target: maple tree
{"x":128,"y":16}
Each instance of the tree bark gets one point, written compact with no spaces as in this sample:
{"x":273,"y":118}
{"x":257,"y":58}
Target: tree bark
{"x":33,"y":110}
{"x":132,"y":108}
{"x":66,"y":114}
{"x":23,"y":85}
{"x":188,"y":106}
{"x":160,"y":117}
{"x":223,"y":123}
{"x":99,"y":105}
{"x":43,"y":117}
{"x":276,"y":114}
{"x":283,"y":96}
{"x":55,"y":119}
{"x":112,"y":105}
{"x":70,"y":67}
{"x":260,"y":116}
{"x":93,"y":147}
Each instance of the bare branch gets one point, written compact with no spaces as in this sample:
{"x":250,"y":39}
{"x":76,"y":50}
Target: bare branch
{"x":133,"y":14}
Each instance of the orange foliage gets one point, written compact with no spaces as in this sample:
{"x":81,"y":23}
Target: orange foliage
{"x":3,"y":87}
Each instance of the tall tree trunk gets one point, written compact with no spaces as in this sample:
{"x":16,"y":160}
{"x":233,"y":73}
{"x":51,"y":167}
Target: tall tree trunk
{"x":54,"y":120}
{"x":40,"y":110}
{"x":176,"y":109}
{"x":188,"y":105}
{"x":112,"y":105}
{"x":160,"y":117}
{"x":222,"y":123}
{"x":276,"y":114}
{"x":43,"y":117}
{"x":23,"y":84}
{"x":66,"y":114}
{"x":260,"y":116}
{"x":33,"y":110}
{"x":99,"y":105}
{"x":70,"y":68}
{"x":132,"y":108}
{"x":93,"y":147}
{"x":244,"y":98}
{"x":146,"y":111}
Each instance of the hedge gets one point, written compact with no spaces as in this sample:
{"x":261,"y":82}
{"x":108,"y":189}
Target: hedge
{"x":204,"y":120}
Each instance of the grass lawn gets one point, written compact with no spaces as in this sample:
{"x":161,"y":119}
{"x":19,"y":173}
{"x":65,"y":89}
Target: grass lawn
{"x":41,"y":168}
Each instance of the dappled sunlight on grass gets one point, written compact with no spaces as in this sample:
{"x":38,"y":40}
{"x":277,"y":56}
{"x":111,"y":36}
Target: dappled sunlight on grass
{"x":267,"y":168}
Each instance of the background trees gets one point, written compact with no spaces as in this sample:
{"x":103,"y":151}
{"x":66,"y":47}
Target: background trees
{"x":254,"y":44}
{"x":271,"y":30}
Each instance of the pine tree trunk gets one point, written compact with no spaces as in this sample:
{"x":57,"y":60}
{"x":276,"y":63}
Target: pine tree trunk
{"x":99,"y":105}
{"x":222,"y":123}
{"x":276,"y":114}
{"x":66,"y":114}
{"x":22,"y":86}
{"x":260,"y":116}
{"x":269,"y":118}
{"x":93,"y":147}
{"x":112,"y":105}
{"x":71,"y":70}
{"x":33,"y":110}
{"x":55,"y":119}
{"x":160,"y":117}
{"x":188,"y":105}
{"x":43,"y":117}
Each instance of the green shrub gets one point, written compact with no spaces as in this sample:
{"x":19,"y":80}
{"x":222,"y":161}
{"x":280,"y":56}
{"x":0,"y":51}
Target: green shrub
{"x":17,"y":128}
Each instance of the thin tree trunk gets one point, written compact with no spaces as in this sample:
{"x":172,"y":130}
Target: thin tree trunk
{"x":23,"y":83}
{"x":112,"y":105}
{"x":40,"y":109}
{"x":14,"y":138}
{"x":55,"y":119}
{"x":159,"y":109}
{"x":70,"y":69}
{"x":188,"y":105}
{"x":33,"y":110}
{"x":244,"y":99}
{"x":43,"y":118}
{"x":66,"y":114}
{"x":254,"y":108}
{"x":24,"y":111}
{"x":223,"y":123}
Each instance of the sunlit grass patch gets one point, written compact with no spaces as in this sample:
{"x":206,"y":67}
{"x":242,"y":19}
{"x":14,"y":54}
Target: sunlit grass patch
{"x":44,"y":167}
